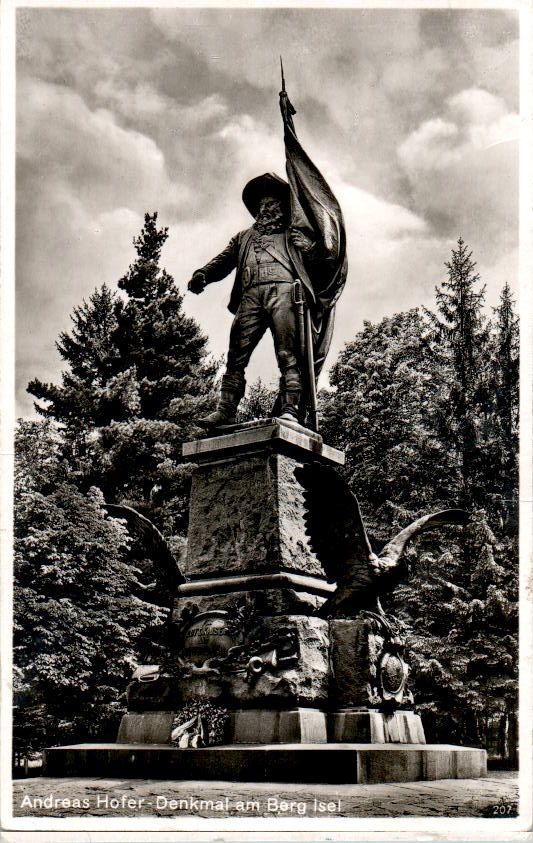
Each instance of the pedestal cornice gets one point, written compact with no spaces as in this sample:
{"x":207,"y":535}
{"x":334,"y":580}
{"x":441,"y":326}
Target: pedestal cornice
{"x":276,"y":435}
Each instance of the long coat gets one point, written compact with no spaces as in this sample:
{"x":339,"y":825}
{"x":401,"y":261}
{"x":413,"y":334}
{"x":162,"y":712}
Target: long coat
{"x":234,"y":257}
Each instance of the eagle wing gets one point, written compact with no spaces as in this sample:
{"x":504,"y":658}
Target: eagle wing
{"x":393,"y":550}
{"x":334,"y":525}
{"x":155,"y":543}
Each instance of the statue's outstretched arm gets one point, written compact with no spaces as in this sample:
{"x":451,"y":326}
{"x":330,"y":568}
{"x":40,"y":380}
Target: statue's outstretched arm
{"x":222,"y":264}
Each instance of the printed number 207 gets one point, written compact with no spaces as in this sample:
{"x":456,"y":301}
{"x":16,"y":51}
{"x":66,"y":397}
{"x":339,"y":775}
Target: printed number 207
{"x":502,"y":810}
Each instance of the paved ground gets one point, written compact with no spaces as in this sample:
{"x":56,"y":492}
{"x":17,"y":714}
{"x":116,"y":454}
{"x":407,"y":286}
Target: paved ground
{"x":496,"y":795}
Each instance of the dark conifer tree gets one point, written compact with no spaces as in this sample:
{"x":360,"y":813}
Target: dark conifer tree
{"x":503,"y":474}
{"x":84,"y":400}
{"x":138,"y":375}
{"x":460,"y":349}
{"x":504,"y":379}
{"x":462,"y":605}
{"x":413,"y":407}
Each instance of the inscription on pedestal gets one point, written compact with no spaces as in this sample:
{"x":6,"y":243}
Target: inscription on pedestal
{"x":209,"y":635}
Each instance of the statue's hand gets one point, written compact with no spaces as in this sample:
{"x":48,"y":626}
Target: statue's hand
{"x":299,"y":239}
{"x":197,"y":283}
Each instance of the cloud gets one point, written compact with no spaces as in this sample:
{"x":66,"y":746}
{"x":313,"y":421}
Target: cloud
{"x":462,"y":167}
{"x":73,"y":234}
{"x":432,"y":145}
{"x":408,"y":113}
{"x":72,"y":144}
{"x":476,"y":107}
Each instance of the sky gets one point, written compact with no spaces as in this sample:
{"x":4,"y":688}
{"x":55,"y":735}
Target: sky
{"x":411,"y":116}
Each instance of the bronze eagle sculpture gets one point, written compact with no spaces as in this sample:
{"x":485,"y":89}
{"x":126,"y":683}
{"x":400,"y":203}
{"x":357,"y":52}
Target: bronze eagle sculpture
{"x":338,"y":536}
{"x":165,"y":569}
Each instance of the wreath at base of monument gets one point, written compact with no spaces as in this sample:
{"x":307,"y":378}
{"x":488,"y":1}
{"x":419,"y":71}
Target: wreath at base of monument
{"x":199,"y":723}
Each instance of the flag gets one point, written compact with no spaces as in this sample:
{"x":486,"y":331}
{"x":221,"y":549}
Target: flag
{"x":317,"y":214}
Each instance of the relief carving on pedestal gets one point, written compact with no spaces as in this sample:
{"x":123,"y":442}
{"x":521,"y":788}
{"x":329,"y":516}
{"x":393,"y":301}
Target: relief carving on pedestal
{"x":222,"y":642}
{"x":388,"y":670}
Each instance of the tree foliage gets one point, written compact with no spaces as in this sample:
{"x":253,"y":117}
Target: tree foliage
{"x":502,"y":445}
{"x":138,"y":375}
{"x":425,"y":407}
{"x":257,"y":403}
{"x":76,"y":618}
{"x":459,"y":351}
{"x":381,"y":415}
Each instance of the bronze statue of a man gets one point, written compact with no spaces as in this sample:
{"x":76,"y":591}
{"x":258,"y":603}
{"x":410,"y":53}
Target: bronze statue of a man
{"x":263,"y":296}
{"x":298,"y":236}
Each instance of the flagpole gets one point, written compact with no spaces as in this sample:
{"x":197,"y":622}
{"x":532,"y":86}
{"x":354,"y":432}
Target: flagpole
{"x":287,"y":108}
{"x":313,"y":412}
{"x":303,"y":312}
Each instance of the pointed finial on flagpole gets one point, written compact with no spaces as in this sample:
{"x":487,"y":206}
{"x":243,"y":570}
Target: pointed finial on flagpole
{"x":287,"y":109}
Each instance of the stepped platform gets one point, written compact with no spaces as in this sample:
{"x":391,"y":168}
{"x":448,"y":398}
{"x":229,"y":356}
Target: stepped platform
{"x":361,"y":763}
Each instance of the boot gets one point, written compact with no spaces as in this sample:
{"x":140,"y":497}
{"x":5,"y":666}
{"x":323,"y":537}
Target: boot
{"x":224,"y":413}
{"x":231,"y":392}
{"x":290,"y":408}
{"x":275,"y":411}
{"x":291,"y":395}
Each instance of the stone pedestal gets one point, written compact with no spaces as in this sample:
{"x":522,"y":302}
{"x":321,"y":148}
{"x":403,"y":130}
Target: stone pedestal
{"x":249,"y":556}
{"x":247,"y":509}
{"x":267,"y":726}
{"x":306,"y":698}
{"x":352,"y":726}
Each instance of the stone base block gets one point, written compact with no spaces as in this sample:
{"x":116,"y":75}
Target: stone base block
{"x":264,"y":726}
{"x":326,"y":763}
{"x":146,"y":727}
{"x":350,"y":662}
{"x":351,"y":726}
{"x":304,"y":682}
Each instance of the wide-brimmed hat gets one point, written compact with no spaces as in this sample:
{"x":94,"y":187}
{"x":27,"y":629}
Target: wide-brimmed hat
{"x":269,"y":184}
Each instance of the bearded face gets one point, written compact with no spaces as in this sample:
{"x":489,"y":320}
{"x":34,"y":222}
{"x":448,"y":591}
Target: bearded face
{"x":271,"y":216}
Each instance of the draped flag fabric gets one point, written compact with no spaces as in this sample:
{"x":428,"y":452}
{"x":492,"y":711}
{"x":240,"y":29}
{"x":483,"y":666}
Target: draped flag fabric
{"x":316,"y":213}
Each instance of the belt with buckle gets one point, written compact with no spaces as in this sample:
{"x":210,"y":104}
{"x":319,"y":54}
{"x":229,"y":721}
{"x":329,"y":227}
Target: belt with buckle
{"x":270,"y":273}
